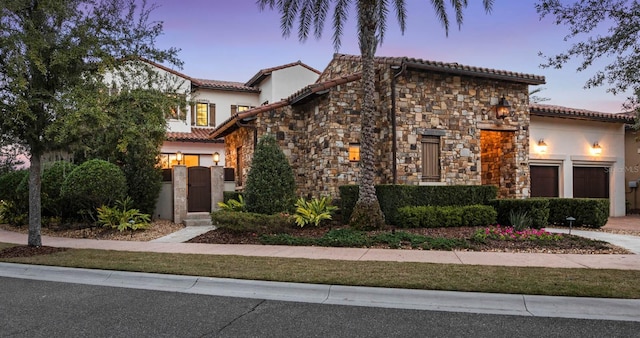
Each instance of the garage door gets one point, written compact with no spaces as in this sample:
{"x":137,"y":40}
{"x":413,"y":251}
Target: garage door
{"x":544,"y":181}
{"x":591,"y":182}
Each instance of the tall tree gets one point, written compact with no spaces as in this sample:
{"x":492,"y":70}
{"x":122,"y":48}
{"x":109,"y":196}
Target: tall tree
{"x":602,"y":28}
{"x":53,"y":51}
{"x":372,"y":24}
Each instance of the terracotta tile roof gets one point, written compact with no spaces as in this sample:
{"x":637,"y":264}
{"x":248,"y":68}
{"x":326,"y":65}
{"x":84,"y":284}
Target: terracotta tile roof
{"x":224,"y":85}
{"x":166,"y":69}
{"x":230,"y":124}
{"x":196,"y":135}
{"x":580,"y":114}
{"x":452,"y":67}
{"x":263,"y":73}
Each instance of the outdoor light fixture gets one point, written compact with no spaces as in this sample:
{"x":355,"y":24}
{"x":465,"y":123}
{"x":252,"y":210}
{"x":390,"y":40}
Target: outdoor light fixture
{"x":179,"y":157}
{"x":216,"y":157}
{"x":596,"y":149}
{"x":503,"y":108}
{"x":542,"y":146}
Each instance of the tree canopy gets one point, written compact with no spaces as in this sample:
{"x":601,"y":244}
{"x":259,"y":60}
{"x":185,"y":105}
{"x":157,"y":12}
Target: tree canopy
{"x":53,"y":57}
{"x":600,"y":29}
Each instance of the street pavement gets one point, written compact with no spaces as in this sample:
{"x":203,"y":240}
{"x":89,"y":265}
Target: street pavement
{"x":509,"y":304}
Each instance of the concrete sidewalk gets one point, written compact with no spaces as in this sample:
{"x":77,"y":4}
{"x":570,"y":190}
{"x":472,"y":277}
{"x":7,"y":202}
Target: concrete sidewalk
{"x":521,"y":305}
{"x":622,"y":262}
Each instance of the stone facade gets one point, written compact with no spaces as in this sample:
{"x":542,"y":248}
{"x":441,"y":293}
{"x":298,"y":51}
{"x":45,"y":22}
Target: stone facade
{"x":475,"y":147}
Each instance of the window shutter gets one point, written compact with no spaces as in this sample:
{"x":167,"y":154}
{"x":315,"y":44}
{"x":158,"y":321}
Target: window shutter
{"x":431,"y":158}
{"x":234,"y":109}
{"x":212,"y":114}
{"x":193,"y":114}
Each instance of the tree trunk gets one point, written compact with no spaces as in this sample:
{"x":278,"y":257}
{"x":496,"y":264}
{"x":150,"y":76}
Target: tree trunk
{"x":34,"y":201}
{"x":367,"y":213}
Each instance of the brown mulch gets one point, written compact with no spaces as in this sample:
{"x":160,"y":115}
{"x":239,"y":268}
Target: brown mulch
{"x":570,"y":244}
{"x":28,"y":251}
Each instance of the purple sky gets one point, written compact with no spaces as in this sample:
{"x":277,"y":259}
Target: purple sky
{"x":232,"y":40}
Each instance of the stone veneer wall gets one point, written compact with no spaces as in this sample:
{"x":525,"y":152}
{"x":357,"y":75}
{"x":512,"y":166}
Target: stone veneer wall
{"x":316,"y":135}
{"x":242,"y":137}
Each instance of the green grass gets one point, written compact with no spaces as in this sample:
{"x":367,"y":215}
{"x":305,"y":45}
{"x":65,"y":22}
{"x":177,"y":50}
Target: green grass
{"x":494,"y":279}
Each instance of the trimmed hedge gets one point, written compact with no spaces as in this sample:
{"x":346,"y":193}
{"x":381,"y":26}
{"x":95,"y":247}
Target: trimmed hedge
{"x":589,"y":212}
{"x":445,"y":216}
{"x":393,"y":197}
{"x":52,"y":179}
{"x":250,"y":222}
{"x":536,"y":208}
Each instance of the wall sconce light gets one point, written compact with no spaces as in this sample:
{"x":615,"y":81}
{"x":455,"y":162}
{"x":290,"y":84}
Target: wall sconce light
{"x":179,"y":157}
{"x":216,"y":157}
{"x":503,"y":108}
{"x":542,"y":146}
{"x":596,"y":149}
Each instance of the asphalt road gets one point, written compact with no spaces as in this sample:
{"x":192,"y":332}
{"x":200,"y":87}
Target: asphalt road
{"x":32,"y":308}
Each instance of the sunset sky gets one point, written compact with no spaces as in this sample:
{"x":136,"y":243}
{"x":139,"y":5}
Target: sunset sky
{"x":232,"y":40}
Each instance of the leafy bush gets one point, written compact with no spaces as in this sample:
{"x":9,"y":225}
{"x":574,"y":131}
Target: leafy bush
{"x":122,"y":216}
{"x":393,"y":197}
{"x":449,"y":216}
{"x":93,"y":184}
{"x":143,"y":177}
{"x":233,"y":205}
{"x":519,"y":220}
{"x":231,"y":195}
{"x":11,"y":214}
{"x":590,"y":212}
{"x":270,"y":184}
{"x":536,"y":208}
{"x":250,"y":222}
{"x":9,"y":183}
{"x":53,"y":178}
{"x":313,"y":211}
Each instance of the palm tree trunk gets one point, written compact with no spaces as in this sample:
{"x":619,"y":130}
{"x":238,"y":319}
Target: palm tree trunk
{"x":367,"y":213}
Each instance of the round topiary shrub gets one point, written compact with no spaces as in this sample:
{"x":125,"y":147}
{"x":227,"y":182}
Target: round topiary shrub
{"x":52,"y":179}
{"x":271,"y":186}
{"x":92,"y":184}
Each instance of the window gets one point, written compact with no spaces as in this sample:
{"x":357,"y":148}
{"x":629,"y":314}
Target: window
{"x":202,"y":114}
{"x":354,"y":152}
{"x":431,"y":158}
{"x":239,"y":108}
{"x":169,"y":160}
{"x":176,"y":111}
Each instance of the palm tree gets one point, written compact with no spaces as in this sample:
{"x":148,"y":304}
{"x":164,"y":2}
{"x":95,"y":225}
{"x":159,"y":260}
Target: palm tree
{"x":372,"y":15}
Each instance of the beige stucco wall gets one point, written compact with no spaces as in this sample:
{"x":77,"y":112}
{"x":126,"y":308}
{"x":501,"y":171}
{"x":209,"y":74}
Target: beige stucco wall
{"x":569,"y":144}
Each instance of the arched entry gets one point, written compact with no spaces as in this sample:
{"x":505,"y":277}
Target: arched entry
{"x":199,"y":189}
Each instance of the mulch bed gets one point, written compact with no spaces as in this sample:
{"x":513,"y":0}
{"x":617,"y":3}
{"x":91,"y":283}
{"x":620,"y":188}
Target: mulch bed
{"x":569,"y":244}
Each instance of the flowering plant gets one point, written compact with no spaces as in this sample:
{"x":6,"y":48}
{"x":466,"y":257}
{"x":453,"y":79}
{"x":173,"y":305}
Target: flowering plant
{"x":510,"y":234}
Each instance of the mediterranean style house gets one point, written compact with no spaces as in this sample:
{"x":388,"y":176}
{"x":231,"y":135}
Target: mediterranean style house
{"x":437,"y":124}
{"x":212,"y":101}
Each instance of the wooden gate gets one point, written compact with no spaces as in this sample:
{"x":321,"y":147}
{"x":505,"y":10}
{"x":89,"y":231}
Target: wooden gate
{"x":199,"y":189}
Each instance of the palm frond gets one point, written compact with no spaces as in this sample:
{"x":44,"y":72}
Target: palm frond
{"x":340,"y":14}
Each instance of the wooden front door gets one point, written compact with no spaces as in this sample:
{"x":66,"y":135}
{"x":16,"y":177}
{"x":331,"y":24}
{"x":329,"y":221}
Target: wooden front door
{"x":199,"y":189}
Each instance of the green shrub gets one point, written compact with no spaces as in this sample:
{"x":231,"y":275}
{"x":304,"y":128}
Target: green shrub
{"x":520,"y":220}
{"x":233,"y":205}
{"x":11,"y":214}
{"x":313,"y":211}
{"x":536,"y":208}
{"x":143,"y":177}
{"x":231,"y":195}
{"x":52,"y":179}
{"x":447,"y":216}
{"x":93,"y":184}
{"x":393,"y":197}
{"x":123,"y":216}
{"x":250,"y":222}
{"x":271,"y":185}
{"x":9,"y":183}
{"x":590,"y":212}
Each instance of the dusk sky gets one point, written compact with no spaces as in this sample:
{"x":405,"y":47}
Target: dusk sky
{"x":232,"y":40}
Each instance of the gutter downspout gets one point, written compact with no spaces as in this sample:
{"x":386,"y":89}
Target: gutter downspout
{"x":394,"y":133}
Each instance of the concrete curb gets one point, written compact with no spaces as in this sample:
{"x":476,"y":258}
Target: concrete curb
{"x":471,"y":302}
